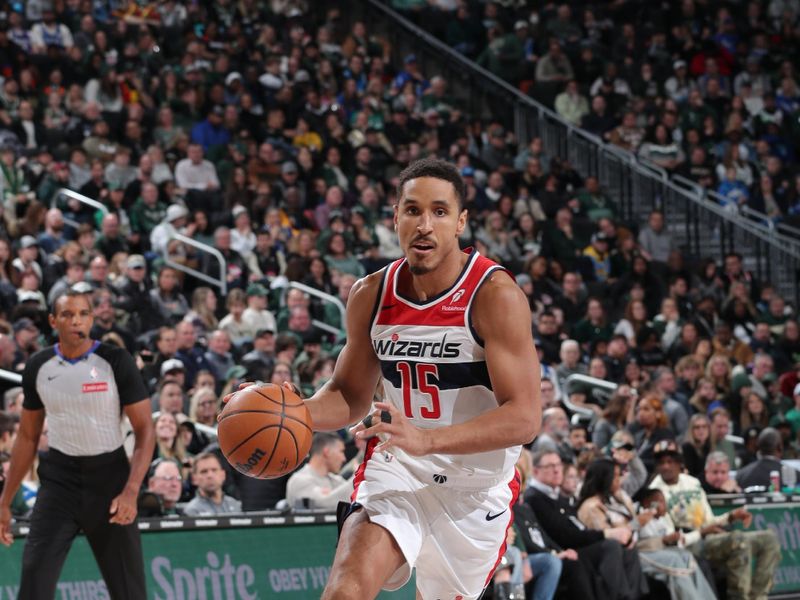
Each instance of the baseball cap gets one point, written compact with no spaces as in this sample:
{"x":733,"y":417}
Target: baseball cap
{"x":302,"y":76}
{"x":520,"y":25}
{"x":27,"y":241}
{"x":622,"y":444}
{"x":82,"y":287}
{"x":679,"y":64}
{"x":136,"y":261}
{"x":238,"y":210}
{"x":667,"y":448}
{"x":28,"y":296}
{"x":25,"y":323}
{"x":176,"y":211}
{"x":467,"y":172}
{"x":600,"y":236}
{"x":172,"y":364}
{"x":233,"y":76}
{"x":265,"y":331}
{"x":236,"y":372}
{"x":410,"y":58}
{"x":288,"y":167}
{"x":256,"y":289}
{"x":797,"y":390}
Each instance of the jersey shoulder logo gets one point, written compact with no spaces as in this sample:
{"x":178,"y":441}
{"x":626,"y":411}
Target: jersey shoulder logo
{"x":93,"y":374}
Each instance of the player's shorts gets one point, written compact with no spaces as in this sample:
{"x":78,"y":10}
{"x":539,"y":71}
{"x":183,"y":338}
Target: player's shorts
{"x":453,"y":537}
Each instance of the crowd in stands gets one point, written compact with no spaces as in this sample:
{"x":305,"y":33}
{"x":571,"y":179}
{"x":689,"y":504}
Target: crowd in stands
{"x":707,"y":90}
{"x":275,"y":134}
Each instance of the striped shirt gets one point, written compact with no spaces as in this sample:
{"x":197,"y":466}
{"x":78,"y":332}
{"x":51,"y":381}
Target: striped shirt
{"x":83,"y":397}
{"x":434,"y":370}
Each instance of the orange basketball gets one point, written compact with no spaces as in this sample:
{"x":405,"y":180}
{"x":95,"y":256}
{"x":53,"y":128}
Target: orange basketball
{"x":265,"y":431}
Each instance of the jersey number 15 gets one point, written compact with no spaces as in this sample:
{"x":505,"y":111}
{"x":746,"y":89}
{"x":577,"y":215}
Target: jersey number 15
{"x":416,"y":377}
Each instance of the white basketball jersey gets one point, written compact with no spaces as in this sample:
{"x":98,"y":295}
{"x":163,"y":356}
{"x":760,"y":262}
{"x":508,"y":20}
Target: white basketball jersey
{"x":434,"y":371}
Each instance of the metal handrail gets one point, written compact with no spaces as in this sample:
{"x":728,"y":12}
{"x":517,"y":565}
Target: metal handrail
{"x":97,"y":205}
{"x":11,"y":376}
{"x":327,"y":298}
{"x":222,"y":282}
{"x":593,"y":381}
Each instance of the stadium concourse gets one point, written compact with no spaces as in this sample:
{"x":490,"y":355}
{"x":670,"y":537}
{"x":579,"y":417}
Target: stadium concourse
{"x":274,"y":132}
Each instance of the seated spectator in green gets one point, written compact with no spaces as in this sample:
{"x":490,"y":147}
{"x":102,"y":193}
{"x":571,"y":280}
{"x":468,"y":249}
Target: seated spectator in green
{"x":595,"y":203}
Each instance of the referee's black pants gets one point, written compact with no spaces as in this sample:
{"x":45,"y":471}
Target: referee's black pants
{"x":75,"y":494}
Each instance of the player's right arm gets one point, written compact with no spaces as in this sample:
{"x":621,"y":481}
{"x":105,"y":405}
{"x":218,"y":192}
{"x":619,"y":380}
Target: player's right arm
{"x":347,"y":396}
{"x":24,"y":451}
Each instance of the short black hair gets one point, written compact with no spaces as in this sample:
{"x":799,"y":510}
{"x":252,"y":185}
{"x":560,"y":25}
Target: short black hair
{"x":71,"y":293}
{"x":438,"y":169}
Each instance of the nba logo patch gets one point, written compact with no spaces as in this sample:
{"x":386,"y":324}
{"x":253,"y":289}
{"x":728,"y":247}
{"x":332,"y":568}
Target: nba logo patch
{"x":93,"y":374}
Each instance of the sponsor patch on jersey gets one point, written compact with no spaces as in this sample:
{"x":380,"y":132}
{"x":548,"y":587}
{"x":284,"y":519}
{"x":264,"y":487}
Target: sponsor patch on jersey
{"x":448,"y":308}
{"x":95,"y":386}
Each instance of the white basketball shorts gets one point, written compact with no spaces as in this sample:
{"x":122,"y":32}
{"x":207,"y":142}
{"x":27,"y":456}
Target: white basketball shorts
{"x":454,"y":538}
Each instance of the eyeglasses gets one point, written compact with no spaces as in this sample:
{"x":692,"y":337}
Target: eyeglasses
{"x":168,"y":477}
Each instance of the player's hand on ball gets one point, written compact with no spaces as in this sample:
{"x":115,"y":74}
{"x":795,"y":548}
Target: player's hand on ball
{"x":397,"y":431}
{"x":289,"y":386}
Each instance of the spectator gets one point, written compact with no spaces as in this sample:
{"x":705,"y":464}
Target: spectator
{"x":600,"y":552}
{"x":209,"y":477}
{"x":554,"y":434}
{"x":218,"y":355}
{"x":656,"y":243}
{"x":166,"y":481}
{"x":650,"y":428}
{"x":697,"y":445}
{"x":318,"y":484}
{"x":603,"y":504}
{"x":729,"y":551}
{"x":614,"y":416}
{"x":571,"y":104}
{"x":770,"y":452}
{"x":716,"y":476}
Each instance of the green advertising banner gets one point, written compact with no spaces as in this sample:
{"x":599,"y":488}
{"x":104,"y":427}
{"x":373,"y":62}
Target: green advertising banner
{"x":245,"y":563}
{"x":784,"y":519}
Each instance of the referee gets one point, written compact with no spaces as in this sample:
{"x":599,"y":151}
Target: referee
{"x":87,"y":483}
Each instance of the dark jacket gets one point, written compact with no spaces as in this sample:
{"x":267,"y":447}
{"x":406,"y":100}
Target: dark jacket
{"x":757,"y":473}
{"x":560,"y":521}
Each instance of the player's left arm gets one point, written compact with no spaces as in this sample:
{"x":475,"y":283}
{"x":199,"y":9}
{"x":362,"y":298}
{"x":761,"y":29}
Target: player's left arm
{"x":502,"y":318}
{"x":123,"y":508}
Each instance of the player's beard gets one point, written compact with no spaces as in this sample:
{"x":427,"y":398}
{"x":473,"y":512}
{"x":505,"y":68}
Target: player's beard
{"x":419,"y":269}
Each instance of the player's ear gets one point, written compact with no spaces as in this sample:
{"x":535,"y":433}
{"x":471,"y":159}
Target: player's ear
{"x":462,"y":222}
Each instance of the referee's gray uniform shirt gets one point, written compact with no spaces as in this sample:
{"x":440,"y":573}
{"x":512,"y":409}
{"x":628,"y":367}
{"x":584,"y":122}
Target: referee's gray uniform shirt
{"x":83,"y":397}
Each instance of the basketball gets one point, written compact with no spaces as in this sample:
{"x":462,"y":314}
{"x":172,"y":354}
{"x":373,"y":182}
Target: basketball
{"x":264,"y":431}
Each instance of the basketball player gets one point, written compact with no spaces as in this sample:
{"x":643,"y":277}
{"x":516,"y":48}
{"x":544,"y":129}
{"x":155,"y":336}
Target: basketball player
{"x":450,"y":332}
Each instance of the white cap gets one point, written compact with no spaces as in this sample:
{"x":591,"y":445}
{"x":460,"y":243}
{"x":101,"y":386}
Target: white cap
{"x":176,"y":211}
{"x":171,"y":364}
{"x":797,"y":390}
